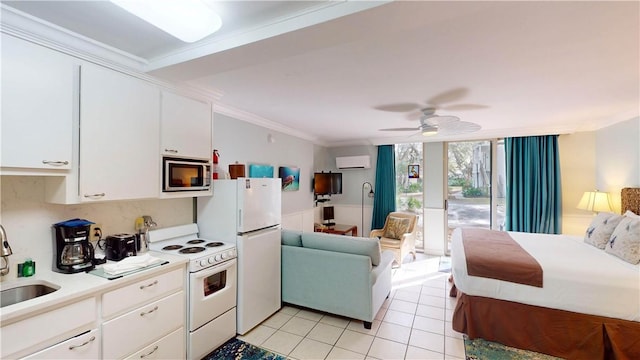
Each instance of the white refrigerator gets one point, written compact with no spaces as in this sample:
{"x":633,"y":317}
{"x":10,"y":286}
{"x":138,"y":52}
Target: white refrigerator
{"x":247,"y":211}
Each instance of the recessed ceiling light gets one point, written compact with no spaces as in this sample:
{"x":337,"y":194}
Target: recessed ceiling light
{"x":187,"y":20}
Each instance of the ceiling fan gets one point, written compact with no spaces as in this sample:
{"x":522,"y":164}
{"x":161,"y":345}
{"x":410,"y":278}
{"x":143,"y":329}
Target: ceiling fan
{"x":437,"y":102}
{"x":432,"y":124}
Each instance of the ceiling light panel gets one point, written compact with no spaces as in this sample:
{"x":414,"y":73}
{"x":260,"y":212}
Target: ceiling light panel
{"x":187,"y":20}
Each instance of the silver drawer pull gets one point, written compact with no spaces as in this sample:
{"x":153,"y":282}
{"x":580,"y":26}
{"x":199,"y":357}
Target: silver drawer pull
{"x":149,"y":312}
{"x":142,"y":287}
{"x":173,"y":151}
{"x":94,"y":196}
{"x":83,"y":344}
{"x":55,"y":163}
{"x":152,"y":351}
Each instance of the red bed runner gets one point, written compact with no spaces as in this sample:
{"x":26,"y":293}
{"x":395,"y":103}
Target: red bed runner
{"x":494,"y":254}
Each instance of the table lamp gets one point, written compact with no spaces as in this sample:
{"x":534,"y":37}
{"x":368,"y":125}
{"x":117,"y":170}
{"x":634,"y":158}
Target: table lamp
{"x":595,"y":201}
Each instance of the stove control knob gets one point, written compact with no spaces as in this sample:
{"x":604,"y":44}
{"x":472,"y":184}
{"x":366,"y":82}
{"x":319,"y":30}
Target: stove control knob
{"x":218,"y":257}
{"x":203,"y":263}
{"x":212,"y":260}
{"x":224,"y":255}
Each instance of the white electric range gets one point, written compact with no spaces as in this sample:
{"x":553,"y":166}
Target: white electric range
{"x":211,"y":290}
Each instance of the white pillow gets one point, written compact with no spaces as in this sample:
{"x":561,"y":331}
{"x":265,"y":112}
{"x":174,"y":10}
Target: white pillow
{"x":625,"y":240}
{"x":631,"y":214}
{"x":601,"y":228}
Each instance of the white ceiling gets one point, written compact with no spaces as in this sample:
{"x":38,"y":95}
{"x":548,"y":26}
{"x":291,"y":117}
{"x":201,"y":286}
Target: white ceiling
{"x":322,"y":70}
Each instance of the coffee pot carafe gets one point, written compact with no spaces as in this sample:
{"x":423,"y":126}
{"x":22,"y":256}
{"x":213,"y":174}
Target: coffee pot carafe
{"x":73,"y":250}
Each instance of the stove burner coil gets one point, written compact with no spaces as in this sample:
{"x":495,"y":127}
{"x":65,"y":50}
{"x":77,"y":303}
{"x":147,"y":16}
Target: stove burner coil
{"x":172,"y":247}
{"x":195,"y":241}
{"x":214,"y":244}
{"x":191,"y":250}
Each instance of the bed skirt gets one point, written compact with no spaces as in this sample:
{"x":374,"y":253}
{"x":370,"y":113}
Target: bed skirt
{"x":554,"y":332}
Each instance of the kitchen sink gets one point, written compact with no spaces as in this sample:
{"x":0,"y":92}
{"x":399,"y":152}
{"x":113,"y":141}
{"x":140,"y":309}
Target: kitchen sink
{"x":23,"y":292}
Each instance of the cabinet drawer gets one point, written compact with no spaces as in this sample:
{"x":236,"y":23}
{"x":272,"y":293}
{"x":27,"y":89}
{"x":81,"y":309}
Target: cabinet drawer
{"x":134,"y":330}
{"x":48,"y":328}
{"x":141,"y":292}
{"x":85,"y":346}
{"x":169,"y":347}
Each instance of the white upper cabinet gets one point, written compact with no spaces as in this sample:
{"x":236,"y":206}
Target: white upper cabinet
{"x":119,"y":136}
{"x":39,"y":92}
{"x":185,"y":127}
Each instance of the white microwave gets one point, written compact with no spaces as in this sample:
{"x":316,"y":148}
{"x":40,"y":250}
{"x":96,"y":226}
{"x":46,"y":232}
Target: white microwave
{"x":180,"y":174}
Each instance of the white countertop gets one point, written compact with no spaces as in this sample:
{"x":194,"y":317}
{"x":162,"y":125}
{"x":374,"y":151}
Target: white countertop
{"x":75,"y":287}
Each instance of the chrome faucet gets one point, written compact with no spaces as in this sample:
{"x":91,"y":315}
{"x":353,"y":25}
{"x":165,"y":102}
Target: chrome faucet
{"x":5,"y":251}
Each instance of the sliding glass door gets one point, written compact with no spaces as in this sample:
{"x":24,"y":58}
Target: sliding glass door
{"x":475,"y":190}
{"x":409,"y":184}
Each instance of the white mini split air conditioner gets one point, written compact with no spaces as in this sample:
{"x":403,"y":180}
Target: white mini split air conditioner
{"x":353,"y":162}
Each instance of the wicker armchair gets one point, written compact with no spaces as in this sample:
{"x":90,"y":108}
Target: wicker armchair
{"x":398,"y":235}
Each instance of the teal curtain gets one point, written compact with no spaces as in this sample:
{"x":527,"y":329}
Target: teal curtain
{"x":534,"y":198}
{"x":384,"y":200}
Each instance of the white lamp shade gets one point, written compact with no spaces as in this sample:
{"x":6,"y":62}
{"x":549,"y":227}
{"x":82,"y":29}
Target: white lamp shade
{"x":595,"y":201}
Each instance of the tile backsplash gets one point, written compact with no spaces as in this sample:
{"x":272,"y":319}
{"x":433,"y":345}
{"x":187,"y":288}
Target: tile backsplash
{"x":27,"y":219}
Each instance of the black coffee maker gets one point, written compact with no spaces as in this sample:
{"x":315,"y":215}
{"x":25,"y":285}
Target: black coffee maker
{"x":73,"y":251}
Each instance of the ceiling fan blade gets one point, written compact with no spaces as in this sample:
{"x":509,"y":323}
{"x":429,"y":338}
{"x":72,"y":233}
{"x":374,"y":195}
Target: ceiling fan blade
{"x":400,"y":129}
{"x":399,"y":107}
{"x":464,"y":107}
{"x":459,"y":127}
{"x":448,"y":96}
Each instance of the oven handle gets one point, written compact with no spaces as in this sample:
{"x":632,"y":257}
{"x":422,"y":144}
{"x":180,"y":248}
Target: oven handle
{"x":215,"y":269}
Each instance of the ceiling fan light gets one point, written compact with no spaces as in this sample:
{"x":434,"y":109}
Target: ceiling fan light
{"x":187,"y":20}
{"x":429,"y":130}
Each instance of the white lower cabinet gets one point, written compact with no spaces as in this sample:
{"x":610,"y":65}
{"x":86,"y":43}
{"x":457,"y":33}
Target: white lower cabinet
{"x":38,"y":332}
{"x":84,"y":346}
{"x":171,"y":346}
{"x":145,"y":319}
{"x":140,"y":327}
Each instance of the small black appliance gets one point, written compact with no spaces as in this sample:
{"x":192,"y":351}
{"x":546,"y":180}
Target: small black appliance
{"x":73,"y":251}
{"x":120,"y":246}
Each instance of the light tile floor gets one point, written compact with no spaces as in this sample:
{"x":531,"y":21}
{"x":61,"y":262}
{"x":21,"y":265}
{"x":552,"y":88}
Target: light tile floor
{"x":413,"y":323}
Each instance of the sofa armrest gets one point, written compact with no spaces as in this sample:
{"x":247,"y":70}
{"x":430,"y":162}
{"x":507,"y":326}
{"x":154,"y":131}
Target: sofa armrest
{"x":376,"y":233}
{"x":386,"y":259}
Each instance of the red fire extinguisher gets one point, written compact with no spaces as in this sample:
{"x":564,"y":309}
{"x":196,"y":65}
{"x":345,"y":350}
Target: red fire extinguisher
{"x":216,"y":157}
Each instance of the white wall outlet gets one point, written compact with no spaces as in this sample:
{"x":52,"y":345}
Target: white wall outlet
{"x":95,"y":233}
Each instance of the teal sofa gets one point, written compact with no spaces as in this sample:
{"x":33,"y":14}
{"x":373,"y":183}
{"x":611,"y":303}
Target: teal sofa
{"x":341,"y":275}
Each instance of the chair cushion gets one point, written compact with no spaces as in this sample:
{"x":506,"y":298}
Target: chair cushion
{"x":346,"y":244}
{"x":291,"y":237}
{"x":396,"y":227}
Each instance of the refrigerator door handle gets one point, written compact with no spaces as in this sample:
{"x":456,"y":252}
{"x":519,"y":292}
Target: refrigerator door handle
{"x":239,"y":217}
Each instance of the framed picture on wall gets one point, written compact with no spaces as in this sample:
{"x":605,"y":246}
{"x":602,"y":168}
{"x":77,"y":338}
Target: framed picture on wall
{"x":260,"y":171}
{"x":290,"y":176}
{"x":414,"y":171}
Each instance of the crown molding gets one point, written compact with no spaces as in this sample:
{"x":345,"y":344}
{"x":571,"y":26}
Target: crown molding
{"x":40,"y":32}
{"x":242,"y":115}
{"x":44,"y":33}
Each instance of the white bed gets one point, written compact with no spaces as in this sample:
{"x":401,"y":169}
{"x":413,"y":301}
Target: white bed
{"x":577,"y":277}
{"x":587,"y":308}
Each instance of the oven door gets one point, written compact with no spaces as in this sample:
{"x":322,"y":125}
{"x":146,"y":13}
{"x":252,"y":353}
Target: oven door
{"x":212,"y":292}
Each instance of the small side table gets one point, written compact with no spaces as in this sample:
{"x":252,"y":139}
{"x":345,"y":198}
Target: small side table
{"x":339,"y":229}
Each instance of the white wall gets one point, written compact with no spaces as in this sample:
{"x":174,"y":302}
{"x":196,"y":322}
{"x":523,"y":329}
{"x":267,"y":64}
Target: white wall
{"x":607,"y":159}
{"x":247,"y":144}
{"x":578,"y":174}
{"x":27,"y":219}
{"x":618,"y":158}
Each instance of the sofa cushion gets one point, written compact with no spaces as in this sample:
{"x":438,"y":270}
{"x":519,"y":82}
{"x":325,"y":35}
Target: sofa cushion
{"x":291,"y":237}
{"x":396,"y":227}
{"x":346,"y":244}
